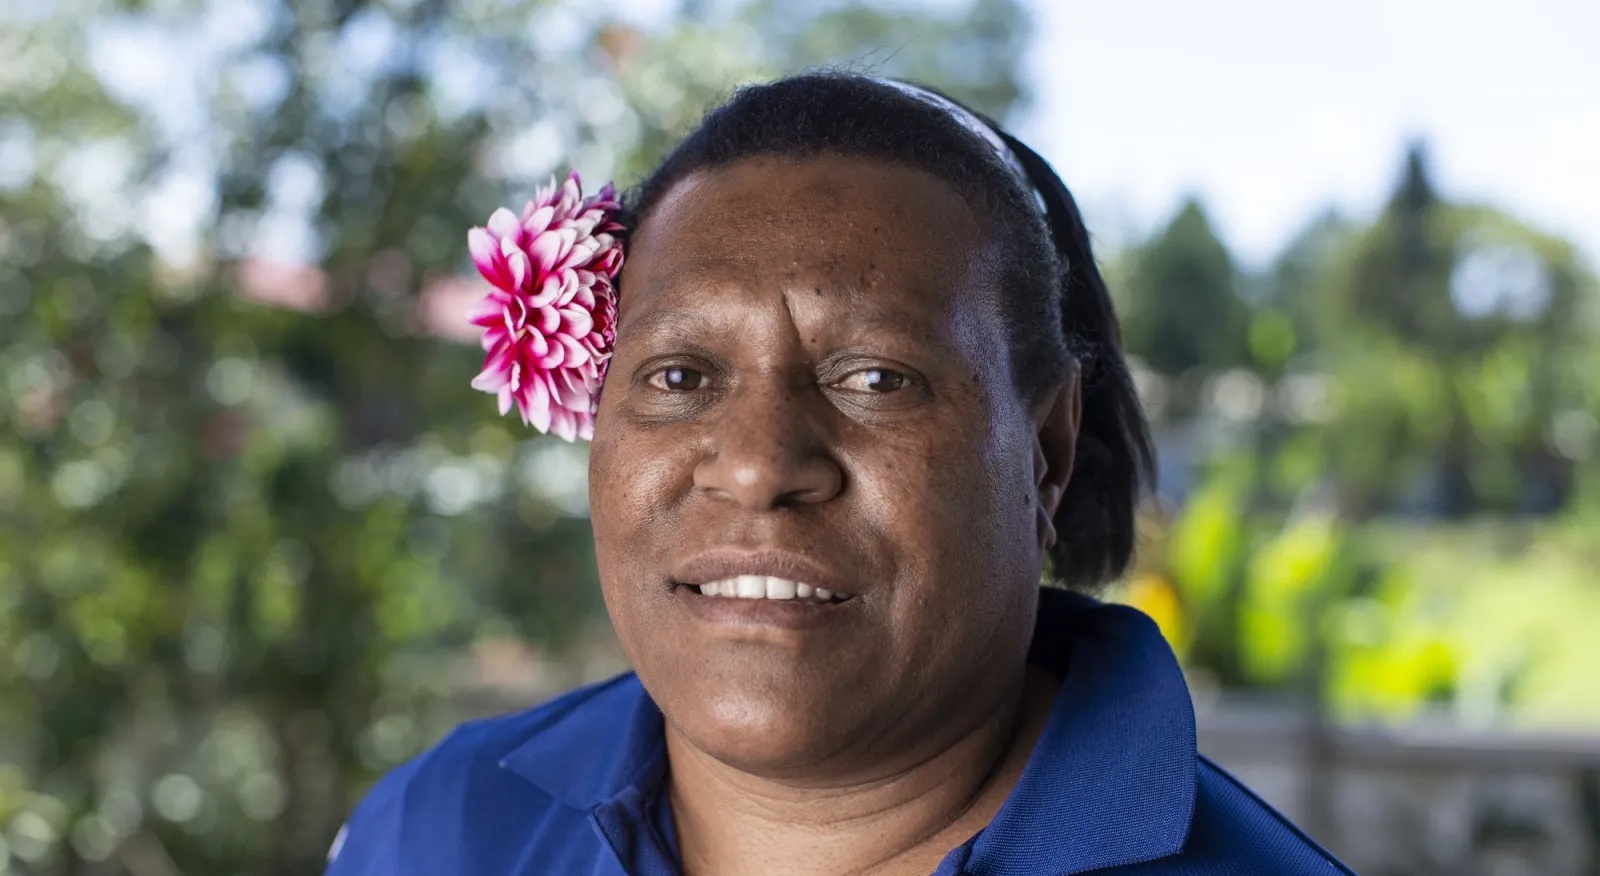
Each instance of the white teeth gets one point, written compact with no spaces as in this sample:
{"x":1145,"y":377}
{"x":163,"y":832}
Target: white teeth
{"x":764,"y":587}
{"x":751,"y":586}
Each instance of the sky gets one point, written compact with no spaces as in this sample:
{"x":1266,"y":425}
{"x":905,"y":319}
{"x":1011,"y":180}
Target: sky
{"x":1272,"y":110}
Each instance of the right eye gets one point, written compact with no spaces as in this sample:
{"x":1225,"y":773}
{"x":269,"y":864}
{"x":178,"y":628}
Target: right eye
{"x":677,"y":379}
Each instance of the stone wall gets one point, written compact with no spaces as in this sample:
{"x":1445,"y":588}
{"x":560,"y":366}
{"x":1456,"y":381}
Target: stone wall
{"x":1428,"y":800}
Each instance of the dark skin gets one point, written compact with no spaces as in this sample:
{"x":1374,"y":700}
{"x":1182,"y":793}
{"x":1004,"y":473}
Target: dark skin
{"x":811,"y":365}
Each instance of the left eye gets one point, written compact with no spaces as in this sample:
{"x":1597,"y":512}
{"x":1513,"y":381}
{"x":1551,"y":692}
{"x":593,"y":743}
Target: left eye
{"x":677,"y":379}
{"x":878,"y":380}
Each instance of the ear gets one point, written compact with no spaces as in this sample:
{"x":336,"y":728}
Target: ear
{"x":1056,"y":416}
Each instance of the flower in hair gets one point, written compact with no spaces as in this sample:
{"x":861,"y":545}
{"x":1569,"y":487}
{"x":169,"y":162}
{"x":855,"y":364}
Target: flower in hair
{"x":549,"y":319}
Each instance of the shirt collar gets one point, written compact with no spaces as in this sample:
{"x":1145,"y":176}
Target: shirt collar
{"x":596,"y":748}
{"x":1111,"y":781}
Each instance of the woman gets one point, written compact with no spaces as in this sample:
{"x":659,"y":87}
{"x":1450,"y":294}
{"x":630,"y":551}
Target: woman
{"x":865,"y":394}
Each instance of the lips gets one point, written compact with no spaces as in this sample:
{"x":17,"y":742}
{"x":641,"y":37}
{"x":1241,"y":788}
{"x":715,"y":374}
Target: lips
{"x":776,"y":575}
{"x":743,"y":590}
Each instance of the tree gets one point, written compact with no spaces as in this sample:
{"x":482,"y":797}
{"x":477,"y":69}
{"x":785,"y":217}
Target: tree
{"x":1294,"y":287}
{"x":1454,"y":332}
{"x":1181,"y":306}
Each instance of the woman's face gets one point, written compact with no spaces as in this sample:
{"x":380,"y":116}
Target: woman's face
{"x":812,"y":385}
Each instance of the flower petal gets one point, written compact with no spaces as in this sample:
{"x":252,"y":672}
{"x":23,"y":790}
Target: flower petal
{"x":534,"y":405}
{"x":568,"y":239}
{"x":569,"y":287}
{"x":564,"y":424}
{"x":503,"y":225}
{"x":576,"y":354}
{"x":547,"y":320}
{"x":483,"y":247}
{"x":517,"y":263}
{"x":501,"y":361}
{"x":538,"y":219}
{"x":547,"y":291}
{"x":486,"y":312}
{"x":583,"y":250}
{"x":554,"y":357}
{"x":569,"y":390}
{"x":576,"y":321}
{"x":492,"y":379}
{"x":546,"y":250}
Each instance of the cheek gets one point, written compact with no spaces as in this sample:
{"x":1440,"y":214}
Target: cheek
{"x":958,"y":501}
{"x":983,"y":462}
{"x":640,"y":486}
{"x":631,"y":489}
{"x":634,"y":476}
{"x":973,"y":520}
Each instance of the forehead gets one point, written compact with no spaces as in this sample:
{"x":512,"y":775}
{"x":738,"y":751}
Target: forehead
{"x":893,"y":236}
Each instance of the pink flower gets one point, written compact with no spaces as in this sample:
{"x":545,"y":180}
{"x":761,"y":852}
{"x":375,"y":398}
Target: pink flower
{"x":550,"y":319}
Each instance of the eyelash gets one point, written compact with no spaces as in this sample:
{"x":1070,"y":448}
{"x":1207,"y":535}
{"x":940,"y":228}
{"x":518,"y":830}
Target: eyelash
{"x":659,"y":378}
{"x":662,"y":378}
{"x":900,"y":379}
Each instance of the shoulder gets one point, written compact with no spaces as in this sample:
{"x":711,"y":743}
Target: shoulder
{"x":423,"y":810}
{"x":1234,"y":826}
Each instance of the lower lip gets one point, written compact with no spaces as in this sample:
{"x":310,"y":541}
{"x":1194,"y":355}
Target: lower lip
{"x":785,"y":614}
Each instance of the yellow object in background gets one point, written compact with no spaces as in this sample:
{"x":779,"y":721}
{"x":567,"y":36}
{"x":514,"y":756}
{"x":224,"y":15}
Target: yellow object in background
{"x":1154,"y":595}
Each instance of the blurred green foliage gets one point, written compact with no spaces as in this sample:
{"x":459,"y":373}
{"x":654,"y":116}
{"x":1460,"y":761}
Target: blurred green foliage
{"x":257,"y":536}
{"x":255,"y":529}
{"x":1379,"y":470}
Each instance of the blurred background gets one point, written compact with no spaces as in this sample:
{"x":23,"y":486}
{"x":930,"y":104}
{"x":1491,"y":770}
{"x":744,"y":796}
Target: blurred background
{"x":259,"y":541}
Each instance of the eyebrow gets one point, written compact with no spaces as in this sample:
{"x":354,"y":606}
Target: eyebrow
{"x":863,"y":319}
{"x":691,"y":328}
{"x":666,"y":319}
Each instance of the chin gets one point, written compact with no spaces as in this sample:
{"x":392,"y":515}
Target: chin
{"x":759,"y":730}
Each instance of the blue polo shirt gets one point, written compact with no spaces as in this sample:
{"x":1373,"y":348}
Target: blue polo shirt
{"x":576,"y":787}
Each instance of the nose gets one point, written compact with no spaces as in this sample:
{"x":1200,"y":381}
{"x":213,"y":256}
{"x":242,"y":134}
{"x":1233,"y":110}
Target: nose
{"x":769,"y":451}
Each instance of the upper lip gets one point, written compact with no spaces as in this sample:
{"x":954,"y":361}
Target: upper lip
{"x":725,"y":563}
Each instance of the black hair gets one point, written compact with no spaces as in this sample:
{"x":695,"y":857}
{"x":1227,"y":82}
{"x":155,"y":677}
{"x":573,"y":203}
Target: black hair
{"x":1057,"y":309}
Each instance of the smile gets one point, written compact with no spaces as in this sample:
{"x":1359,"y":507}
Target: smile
{"x":767,"y":587}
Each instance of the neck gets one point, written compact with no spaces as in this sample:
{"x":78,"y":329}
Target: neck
{"x":730,"y":822}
